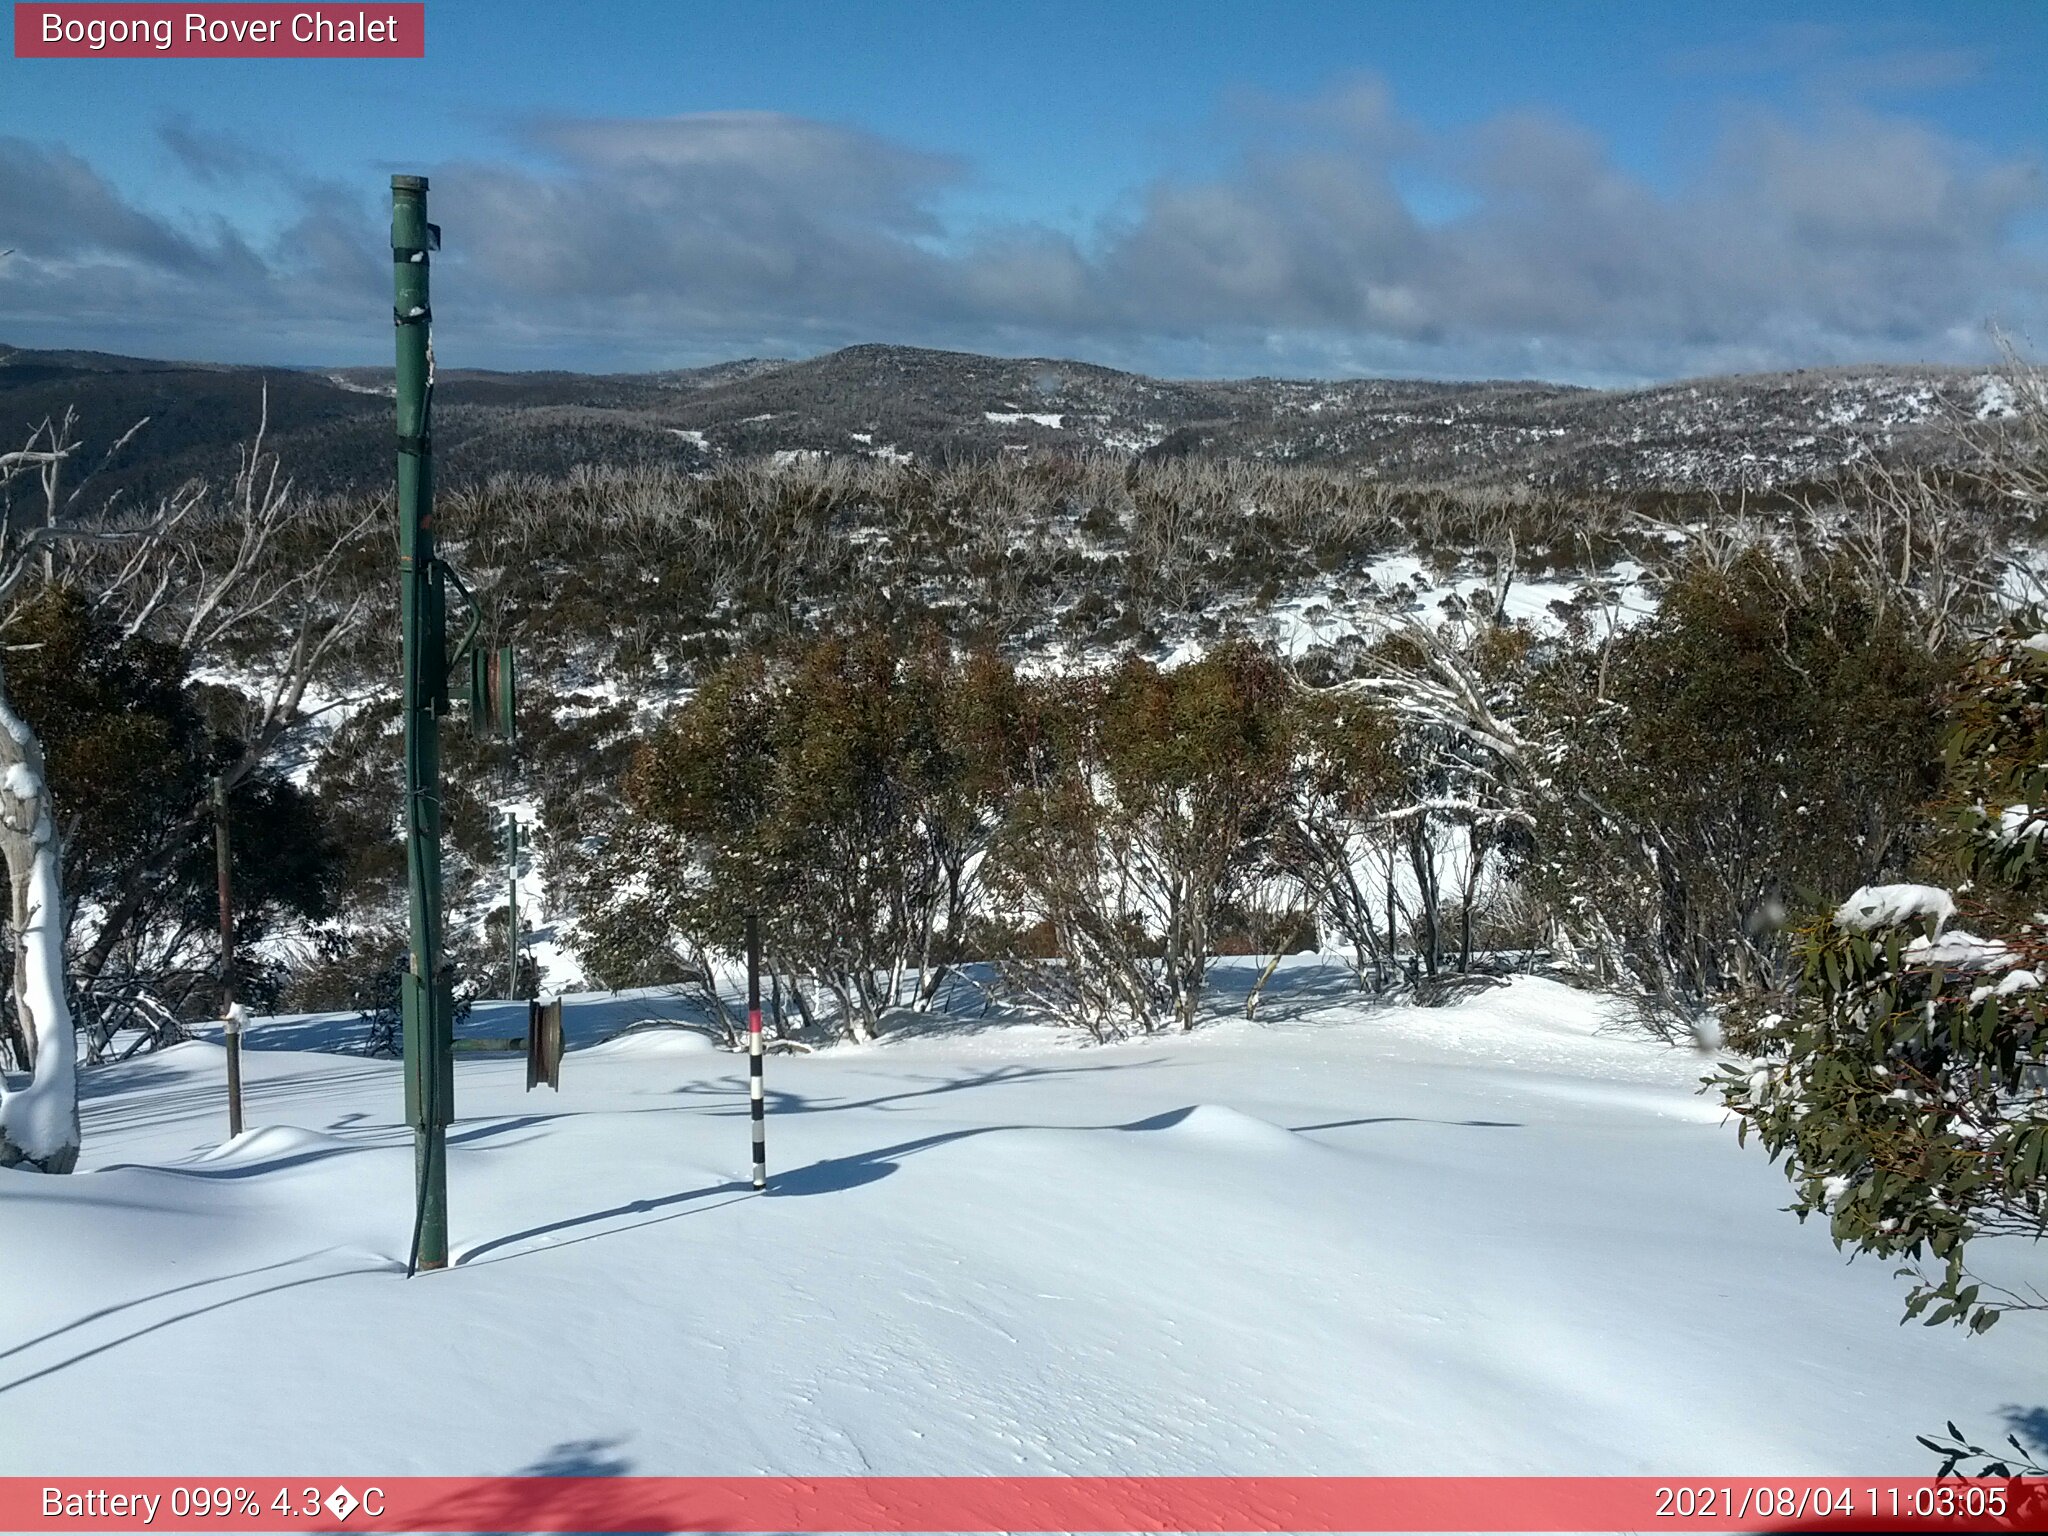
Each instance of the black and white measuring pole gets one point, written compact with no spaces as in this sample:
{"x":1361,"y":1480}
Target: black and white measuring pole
{"x":754,"y":1053}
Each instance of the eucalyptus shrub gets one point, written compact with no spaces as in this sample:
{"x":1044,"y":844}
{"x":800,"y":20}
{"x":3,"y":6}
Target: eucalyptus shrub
{"x":1906,"y":1088}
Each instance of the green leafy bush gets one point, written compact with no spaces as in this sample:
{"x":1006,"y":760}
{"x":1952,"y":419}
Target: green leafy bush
{"x":1906,"y":1087}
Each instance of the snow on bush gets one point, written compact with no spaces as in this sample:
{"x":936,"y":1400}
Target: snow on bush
{"x":1888,"y":906}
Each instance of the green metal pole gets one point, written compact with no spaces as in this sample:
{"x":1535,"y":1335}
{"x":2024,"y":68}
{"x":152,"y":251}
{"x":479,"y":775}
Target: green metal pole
{"x":428,"y":1015}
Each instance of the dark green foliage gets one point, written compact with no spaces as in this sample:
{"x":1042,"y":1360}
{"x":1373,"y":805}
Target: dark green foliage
{"x":120,"y":735}
{"x":489,"y":962}
{"x":662,"y":573}
{"x":635,"y":910}
{"x":360,"y":972}
{"x":656,"y":572}
{"x":1143,"y":803}
{"x":1958,"y":1451}
{"x":1334,"y":839}
{"x":286,"y":866}
{"x":131,"y":749}
{"x":1772,"y":730}
{"x":842,"y":794}
{"x":1904,"y":1087}
{"x":359,"y":779}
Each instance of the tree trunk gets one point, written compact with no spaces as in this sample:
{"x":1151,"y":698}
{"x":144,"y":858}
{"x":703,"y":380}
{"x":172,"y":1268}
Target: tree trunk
{"x":802,"y":1004}
{"x":1422,"y":858}
{"x":1393,"y":946}
{"x":1251,"y":1003}
{"x":1195,"y":963}
{"x":39,"y":1127}
{"x":853,"y":1007}
{"x":1475,"y":866}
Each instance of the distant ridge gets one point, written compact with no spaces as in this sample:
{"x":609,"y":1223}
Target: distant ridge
{"x":332,"y":426}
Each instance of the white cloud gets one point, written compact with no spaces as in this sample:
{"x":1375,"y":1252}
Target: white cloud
{"x":1850,"y":235}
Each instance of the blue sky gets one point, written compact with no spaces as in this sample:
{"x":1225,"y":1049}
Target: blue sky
{"x":1597,"y":192}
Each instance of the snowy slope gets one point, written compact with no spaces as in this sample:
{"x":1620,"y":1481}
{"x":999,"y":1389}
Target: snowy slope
{"x":1489,"y":1238}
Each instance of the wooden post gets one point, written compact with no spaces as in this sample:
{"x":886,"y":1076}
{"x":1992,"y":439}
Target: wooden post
{"x":754,"y":1053}
{"x":230,"y":1010}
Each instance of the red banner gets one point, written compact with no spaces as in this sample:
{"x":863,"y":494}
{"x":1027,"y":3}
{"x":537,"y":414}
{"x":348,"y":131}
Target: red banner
{"x":973,"y":1504}
{"x":215,"y":31}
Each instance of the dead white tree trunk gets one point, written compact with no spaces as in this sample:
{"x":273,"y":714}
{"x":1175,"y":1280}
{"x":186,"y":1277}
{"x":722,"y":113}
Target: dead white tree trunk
{"x":39,"y":1125}
{"x":39,"y":1122}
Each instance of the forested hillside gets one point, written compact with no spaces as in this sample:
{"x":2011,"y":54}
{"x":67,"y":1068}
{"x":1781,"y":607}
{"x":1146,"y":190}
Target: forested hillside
{"x":885,"y":404}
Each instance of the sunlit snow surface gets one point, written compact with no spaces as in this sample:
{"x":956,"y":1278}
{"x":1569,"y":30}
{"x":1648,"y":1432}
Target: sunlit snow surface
{"x":1493,"y":1238}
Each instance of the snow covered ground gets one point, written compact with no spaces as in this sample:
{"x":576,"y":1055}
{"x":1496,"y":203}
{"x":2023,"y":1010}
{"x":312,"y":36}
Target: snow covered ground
{"x":1491,"y":1238}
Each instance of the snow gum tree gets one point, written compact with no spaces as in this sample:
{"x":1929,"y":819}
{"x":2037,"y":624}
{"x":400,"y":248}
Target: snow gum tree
{"x":198,"y":575}
{"x":1154,"y":798}
{"x":1452,"y":756}
{"x":1772,"y":730}
{"x":1338,"y":837}
{"x":39,"y":1125}
{"x":845,"y":793}
{"x":1906,"y":1088}
{"x":1194,"y":759}
{"x":133,"y":744}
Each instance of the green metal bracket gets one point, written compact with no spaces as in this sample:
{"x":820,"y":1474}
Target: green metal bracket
{"x":463,"y":647}
{"x":434,"y":642}
{"x":480,"y":693}
{"x":494,"y":694}
{"x":414,"y":1017}
{"x":507,"y":694}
